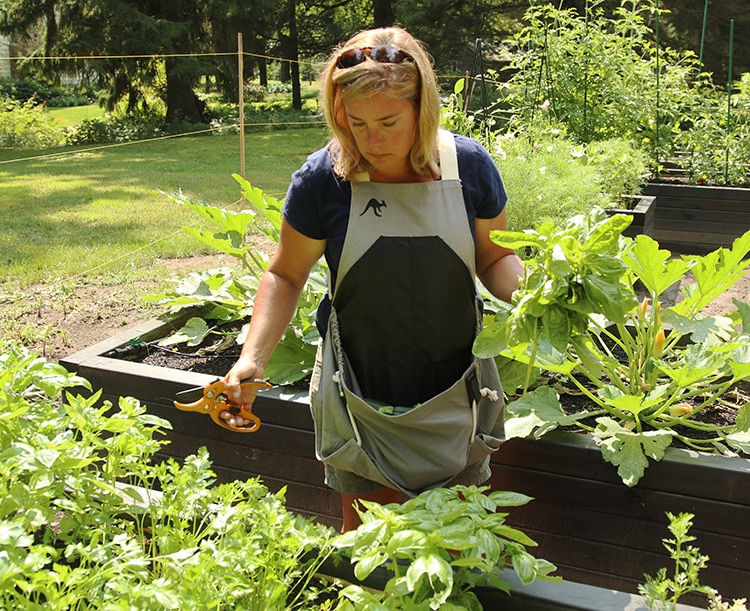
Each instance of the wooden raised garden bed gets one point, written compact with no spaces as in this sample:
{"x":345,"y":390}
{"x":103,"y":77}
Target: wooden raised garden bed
{"x":643,"y":212}
{"x":598,"y":531}
{"x":696,"y":219}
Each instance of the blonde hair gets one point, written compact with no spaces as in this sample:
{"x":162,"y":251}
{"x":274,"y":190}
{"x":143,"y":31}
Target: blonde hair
{"x":414,"y":81}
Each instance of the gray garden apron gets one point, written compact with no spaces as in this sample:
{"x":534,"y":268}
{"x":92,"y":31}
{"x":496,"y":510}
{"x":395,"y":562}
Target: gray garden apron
{"x":396,"y":395}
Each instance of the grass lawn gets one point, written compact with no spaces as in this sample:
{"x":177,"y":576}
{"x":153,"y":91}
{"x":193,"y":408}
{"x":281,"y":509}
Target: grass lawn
{"x":105,"y":210}
{"x":73,"y":115}
{"x":85,"y":235}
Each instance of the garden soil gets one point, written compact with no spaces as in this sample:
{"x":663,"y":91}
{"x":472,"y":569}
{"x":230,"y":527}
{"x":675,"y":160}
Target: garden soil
{"x":85,"y":314}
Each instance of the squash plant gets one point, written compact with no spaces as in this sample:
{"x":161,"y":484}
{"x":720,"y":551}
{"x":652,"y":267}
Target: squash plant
{"x":225,"y":295}
{"x":648,"y":371}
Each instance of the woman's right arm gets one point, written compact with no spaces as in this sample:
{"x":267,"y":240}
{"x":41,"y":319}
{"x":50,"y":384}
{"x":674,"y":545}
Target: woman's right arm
{"x":274,"y":306}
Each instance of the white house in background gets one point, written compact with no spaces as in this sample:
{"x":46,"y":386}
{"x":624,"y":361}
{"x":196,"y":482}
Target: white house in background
{"x":4,"y":57}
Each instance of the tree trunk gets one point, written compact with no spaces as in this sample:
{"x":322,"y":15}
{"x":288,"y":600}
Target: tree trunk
{"x":50,"y":37}
{"x":383,"y":16}
{"x":182,"y":103}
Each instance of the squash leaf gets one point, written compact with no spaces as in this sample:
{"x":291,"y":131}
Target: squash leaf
{"x":629,"y":451}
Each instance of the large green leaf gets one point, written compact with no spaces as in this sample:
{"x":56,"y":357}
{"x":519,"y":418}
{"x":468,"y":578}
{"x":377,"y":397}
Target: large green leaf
{"x":525,"y":566}
{"x":607,"y":297}
{"x":703,"y":329}
{"x":291,"y":361}
{"x":538,"y":412}
{"x":192,"y":333}
{"x":714,"y":273}
{"x":698,"y":364}
{"x":654,"y":267}
{"x":739,"y":438}
{"x":268,"y":206}
{"x":515,"y":240}
{"x":604,"y":231}
{"x":493,"y":338}
{"x":743,"y":308}
{"x":629,"y":451}
{"x":230,"y":227}
{"x":632,"y":404}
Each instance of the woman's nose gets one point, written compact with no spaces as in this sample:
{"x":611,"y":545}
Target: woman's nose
{"x":373,"y":135}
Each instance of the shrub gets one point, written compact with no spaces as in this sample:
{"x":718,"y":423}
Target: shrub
{"x":716,"y":140}
{"x":110,"y":129}
{"x":25,"y":125}
{"x":621,"y":166}
{"x":546,"y":176}
{"x":604,"y":77}
{"x":277,"y":116}
{"x":254,"y":92}
{"x":53,"y":96}
{"x":550,"y":177}
{"x":279,"y":88}
{"x":599,"y":73}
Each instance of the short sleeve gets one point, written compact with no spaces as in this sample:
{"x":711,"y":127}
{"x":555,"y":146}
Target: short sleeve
{"x":301,"y":207}
{"x":483,"y":188}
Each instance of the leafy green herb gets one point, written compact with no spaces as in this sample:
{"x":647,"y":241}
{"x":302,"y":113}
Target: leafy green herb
{"x":90,"y":520}
{"x":437,"y":547}
{"x":663,"y":592}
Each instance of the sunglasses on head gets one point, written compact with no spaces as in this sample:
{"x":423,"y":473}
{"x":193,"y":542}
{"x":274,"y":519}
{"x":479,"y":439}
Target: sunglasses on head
{"x":385,"y":55}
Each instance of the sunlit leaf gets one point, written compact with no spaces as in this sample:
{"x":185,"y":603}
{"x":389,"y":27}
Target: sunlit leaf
{"x":629,"y":451}
{"x":192,"y":333}
{"x":538,"y":413}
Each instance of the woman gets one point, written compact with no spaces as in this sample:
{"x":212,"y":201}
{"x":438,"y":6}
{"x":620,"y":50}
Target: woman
{"x":398,"y":401}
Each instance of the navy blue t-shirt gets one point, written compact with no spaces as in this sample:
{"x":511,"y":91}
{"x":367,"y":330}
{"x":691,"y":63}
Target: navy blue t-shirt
{"x":318,"y":201}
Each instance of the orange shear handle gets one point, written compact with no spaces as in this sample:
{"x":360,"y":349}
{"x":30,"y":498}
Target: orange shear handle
{"x":215,"y":401}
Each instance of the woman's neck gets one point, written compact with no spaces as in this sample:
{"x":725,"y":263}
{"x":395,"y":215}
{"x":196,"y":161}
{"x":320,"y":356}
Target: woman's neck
{"x":404,"y":176}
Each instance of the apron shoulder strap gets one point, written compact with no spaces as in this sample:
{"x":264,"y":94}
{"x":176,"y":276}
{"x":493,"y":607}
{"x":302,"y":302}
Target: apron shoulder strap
{"x":448,"y":155}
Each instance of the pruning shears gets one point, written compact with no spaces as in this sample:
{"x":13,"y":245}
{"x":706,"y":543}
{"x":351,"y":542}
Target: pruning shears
{"x":212,"y":399}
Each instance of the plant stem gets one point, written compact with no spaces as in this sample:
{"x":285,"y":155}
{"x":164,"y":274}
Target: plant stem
{"x":532,"y":357}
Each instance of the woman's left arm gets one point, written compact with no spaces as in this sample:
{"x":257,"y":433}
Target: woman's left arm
{"x":498,"y":268}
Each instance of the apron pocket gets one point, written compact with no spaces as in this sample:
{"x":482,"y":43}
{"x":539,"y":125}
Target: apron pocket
{"x":423,"y":448}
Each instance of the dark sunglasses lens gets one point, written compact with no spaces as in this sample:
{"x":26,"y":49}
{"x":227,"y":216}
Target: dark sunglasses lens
{"x":388,"y":55}
{"x":351,"y":58}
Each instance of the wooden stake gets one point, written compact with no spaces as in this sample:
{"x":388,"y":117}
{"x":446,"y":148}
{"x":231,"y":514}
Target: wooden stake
{"x":241,"y":79}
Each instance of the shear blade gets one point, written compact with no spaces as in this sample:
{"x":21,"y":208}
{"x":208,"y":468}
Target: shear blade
{"x":190,"y":395}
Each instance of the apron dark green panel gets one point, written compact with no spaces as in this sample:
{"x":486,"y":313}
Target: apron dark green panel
{"x":407,"y":316}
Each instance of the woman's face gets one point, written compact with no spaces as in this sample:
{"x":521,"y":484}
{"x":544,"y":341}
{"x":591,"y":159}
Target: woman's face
{"x":384,"y":129}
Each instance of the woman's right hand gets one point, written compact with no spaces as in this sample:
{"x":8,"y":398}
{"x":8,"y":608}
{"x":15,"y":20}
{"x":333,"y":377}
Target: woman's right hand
{"x":241,"y":396}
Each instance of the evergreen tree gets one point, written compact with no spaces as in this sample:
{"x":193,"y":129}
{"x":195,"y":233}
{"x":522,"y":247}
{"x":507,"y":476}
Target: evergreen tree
{"x":129,"y":32}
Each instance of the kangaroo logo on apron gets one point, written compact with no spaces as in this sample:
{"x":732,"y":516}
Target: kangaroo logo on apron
{"x":375,"y":206}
